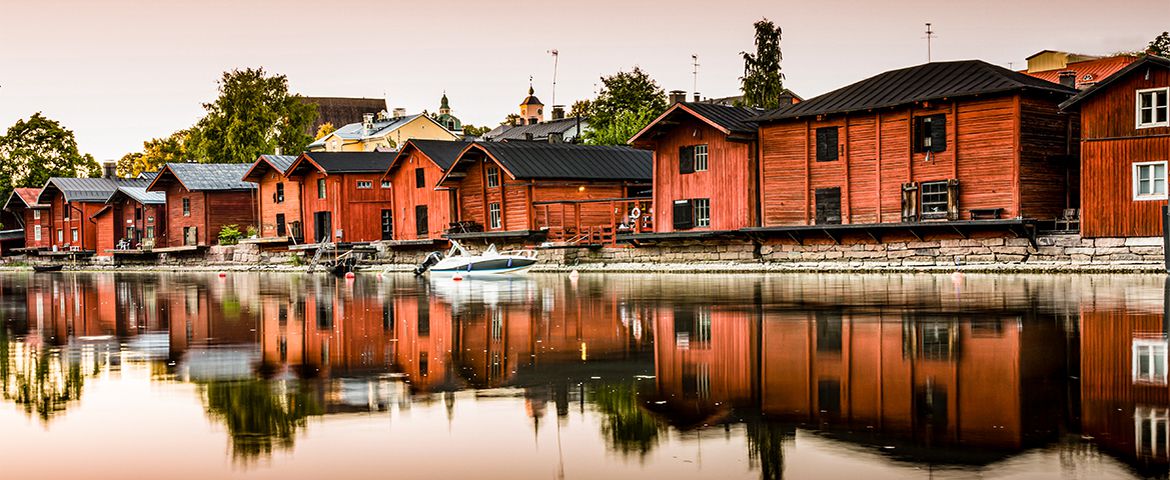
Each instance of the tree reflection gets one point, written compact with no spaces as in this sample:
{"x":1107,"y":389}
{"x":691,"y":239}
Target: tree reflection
{"x":628,"y":427}
{"x":260,"y":415}
{"x":41,"y":382}
{"x":766,"y":447}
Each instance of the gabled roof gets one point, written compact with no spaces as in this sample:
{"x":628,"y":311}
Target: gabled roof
{"x":278,"y":163}
{"x":441,"y":152}
{"x":727,"y":119}
{"x":355,"y":131}
{"x":565,"y":127}
{"x":341,"y":162}
{"x":203,"y":176}
{"x":926,"y":82}
{"x":140,"y":195}
{"x":1145,"y":61}
{"x":560,"y":161}
{"x":27,"y":197}
{"x":94,"y":190}
{"x":1088,"y":72}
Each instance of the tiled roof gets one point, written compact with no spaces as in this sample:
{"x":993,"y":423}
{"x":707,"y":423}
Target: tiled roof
{"x":566,"y":127}
{"x":1088,"y":72}
{"x":442,"y":152}
{"x":343,"y":162}
{"x":562,"y":161}
{"x":1145,"y":60}
{"x":930,"y":81}
{"x":205,"y":176}
{"x":95,"y":190}
{"x":140,"y":195}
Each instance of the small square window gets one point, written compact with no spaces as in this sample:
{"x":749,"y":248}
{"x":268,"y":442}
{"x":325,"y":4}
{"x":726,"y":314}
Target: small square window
{"x":364,"y":184}
{"x":1149,"y":181}
{"x":1153,"y":107}
{"x":1149,"y":361}
{"x":36,"y":214}
{"x":385,"y":184}
{"x":934,"y":199}
{"x":700,"y":158}
{"x":493,"y":177}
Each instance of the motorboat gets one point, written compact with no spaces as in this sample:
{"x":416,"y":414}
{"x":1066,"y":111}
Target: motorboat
{"x":458,"y":261}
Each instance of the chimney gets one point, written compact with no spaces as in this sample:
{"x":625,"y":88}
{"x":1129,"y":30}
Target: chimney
{"x":399,"y":112}
{"x":556,"y":137}
{"x":677,"y":96}
{"x":697,"y":97}
{"x":367,"y":123}
{"x":558,"y":112}
{"x":110,"y":170}
{"x":277,"y":152}
{"x":1068,"y":78}
{"x":528,"y":136}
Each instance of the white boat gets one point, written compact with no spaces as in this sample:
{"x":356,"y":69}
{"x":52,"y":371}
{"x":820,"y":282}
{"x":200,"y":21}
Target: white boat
{"x":458,"y":261}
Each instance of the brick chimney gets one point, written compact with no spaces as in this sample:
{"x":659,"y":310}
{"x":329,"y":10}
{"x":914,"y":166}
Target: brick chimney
{"x":110,"y":170}
{"x":677,"y":96}
{"x":558,"y":112}
{"x":697,"y":97}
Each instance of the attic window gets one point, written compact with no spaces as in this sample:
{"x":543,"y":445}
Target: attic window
{"x":493,"y":177}
{"x":1153,"y":109}
{"x":364,"y":184}
{"x":930,"y":133}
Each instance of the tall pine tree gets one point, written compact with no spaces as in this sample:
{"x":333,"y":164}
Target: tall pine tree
{"x":762,"y":83}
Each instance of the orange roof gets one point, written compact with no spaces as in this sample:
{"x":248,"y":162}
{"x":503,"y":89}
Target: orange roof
{"x":1088,"y":72}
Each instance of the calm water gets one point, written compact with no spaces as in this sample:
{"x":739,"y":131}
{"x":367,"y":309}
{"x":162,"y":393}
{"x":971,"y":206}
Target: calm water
{"x":620,"y":376}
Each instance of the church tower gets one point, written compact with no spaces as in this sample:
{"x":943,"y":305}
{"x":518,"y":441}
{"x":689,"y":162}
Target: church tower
{"x":531,"y":110}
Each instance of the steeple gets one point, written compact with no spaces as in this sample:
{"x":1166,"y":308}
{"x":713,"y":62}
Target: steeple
{"x":531,"y":109}
{"x":444,"y":106}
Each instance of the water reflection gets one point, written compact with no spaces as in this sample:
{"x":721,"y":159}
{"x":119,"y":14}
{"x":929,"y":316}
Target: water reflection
{"x":898,"y":373}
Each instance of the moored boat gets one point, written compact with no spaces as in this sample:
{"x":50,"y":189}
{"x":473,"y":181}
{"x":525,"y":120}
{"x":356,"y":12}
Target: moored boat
{"x":458,"y":261}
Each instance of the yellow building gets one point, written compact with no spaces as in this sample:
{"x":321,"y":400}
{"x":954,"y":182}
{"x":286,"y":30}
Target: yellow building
{"x":381,"y":133}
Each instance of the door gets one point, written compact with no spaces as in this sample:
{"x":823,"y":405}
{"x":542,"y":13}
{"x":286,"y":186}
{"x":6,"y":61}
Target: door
{"x":420,"y":221}
{"x":190,"y":236}
{"x":280,"y":229}
{"x":829,"y":206}
{"x":387,"y":224}
{"x":323,"y":226}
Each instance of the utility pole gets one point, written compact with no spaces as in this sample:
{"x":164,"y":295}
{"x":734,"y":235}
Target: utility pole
{"x":695,"y":66}
{"x":929,"y":35}
{"x":556,"y":60}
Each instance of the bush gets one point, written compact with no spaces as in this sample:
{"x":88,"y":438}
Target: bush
{"x":230,"y":235}
{"x":252,"y":232}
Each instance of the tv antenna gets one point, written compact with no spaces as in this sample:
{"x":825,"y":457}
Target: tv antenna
{"x":556,"y":60}
{"x":695,"y":66}
{"x":929,"y":36}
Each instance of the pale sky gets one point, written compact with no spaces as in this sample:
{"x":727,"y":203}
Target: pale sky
{"x":121,"y":72}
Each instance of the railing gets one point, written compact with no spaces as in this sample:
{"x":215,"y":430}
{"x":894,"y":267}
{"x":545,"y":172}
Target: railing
{"x":594,"y":222}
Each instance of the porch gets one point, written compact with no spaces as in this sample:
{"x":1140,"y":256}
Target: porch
{"x":593,"y":223}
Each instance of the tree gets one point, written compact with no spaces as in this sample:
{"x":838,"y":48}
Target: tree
{"x":1160,"y":45}
{"x":510,"y":119}
{"x":580,"y":108}
{"x":254,"y":114}
{"x":155,"y":152}
{"x":36,"y":149}
{"x":625,"y":99}
{"x":470,"y":130}
{"x":762,"y":83}
{"x":325,"y":129}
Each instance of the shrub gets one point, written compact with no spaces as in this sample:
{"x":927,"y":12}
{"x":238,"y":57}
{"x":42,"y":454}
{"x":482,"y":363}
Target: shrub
{"x":252,"y":232}
{"x":230,"y":235}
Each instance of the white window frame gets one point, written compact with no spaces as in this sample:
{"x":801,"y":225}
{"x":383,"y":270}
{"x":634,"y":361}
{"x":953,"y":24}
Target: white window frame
{"x":1136,"y":168}
{"x":74,"y":236}
{"x":1147,"y":348}
{"x":702,"y":208}
{"x":1157,"y":419}
{"x":700,"y":157}
{"x":36,"y":214}
{"x":365,"y":184}
{"x":493,"y":177}
{"x":494,"y":217}
{"x":1154,"y":108}
{"x":385,"y":184}
{"x":37,"y":233}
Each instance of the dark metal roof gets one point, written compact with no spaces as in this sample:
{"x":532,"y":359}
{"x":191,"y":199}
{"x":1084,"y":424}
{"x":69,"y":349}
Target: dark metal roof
{"x":279,"y":163}
{"x":531,"y":100}
{"x":344,"y":162}
{"x":566,"y":127}
{"x":532,"y":161}
{"x":930,"y":81}
{"x":442,"y":152}
{"x":1146,"y":60}
{"x":140,"y":195}
{"x":205,"y":176}
{"x":735,"y":119}
{"x":95,"y":190}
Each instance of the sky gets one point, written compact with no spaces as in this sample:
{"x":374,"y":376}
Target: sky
{"x":120,"y":72}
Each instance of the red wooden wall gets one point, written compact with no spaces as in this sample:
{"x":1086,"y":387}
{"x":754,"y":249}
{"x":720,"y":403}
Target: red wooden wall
{"x":79,"y":215}
{"x":30,"y":224}
{"x":729,"y":182}
{"x":407,"y":195}
{"x":357,"y":212}
{"x":290,"y":207}
{"x":210,"y":211}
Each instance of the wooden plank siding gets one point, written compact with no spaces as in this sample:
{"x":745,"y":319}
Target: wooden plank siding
{"x":984,"y":151}
{"x":407,"y":195}
{"x":78,"y":219}
{"x":210,"y":211}
{"x":356,"y":212}
{"x":31,"y":222}
{"x":729,"y":181}
{"x":269,"y":207}
{"x":1111,"y":144}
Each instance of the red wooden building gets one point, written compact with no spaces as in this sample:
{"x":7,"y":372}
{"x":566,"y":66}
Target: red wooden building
{"x":519,"y":190}
{"x":279,"y":199}
{"x":132,"y":219}
{"x":959,"y":142}
{"x":201,"y":198}
{"x":344,"y":198}
{"x":1125,"y":147}
{"x":421,"y":211}
{"x":32,"y":217}
{"x":72,"y":204}
{"x":705,"y":167}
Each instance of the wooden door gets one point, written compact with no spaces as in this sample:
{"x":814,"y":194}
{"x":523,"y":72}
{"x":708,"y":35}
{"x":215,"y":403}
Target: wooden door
{"x":829,"y":206}
{"x":280,"y":230}
{"x":421,"y":222}
{"x":323,"y":226}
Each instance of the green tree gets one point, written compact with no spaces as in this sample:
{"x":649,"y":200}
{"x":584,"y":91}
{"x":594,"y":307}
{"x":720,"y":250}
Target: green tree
{"x":625,"y":96}
{"x":580,"y":108}
{"x":36,"y":149}
{"x":474,"y":131}
{"x":254,"y":114}
{"x":510,"y":119}
{"x":1160,"y":45}
{"x":155,"y":152}
{"x":762,"y":83}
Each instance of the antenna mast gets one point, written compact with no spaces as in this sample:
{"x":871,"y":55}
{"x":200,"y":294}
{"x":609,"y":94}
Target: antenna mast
{"x":929,"y":35}
{"x":556,"y":60}
{"x":695,"y":71}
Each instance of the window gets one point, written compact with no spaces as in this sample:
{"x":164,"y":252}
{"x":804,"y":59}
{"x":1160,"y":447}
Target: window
{"x":497,"y":325}
{"x":930,"y":133}
{"x":1152,"y":107}
{"x":36,"y":214}
{"x":493,"y":177}
{"x":385,"y":184}
{"x":1149,"y":181}
{"x":934,"y":199}
{"x":73,"y":234}
{"x":420,"y":178}
{"x":700,"y":158}
{"x":65,"y":213}
{"x":424,"y":317}
{"x":1149,"y":361}
{"x":60,"y":236}
{"x":494,"y":214}
{"x":827,"y":144}
{"x":364,"y":184}
{"x":37,"y":233}
{"x":279,"y":193}
{"x":320,"y":188}
{"x":686,"y":160}
{"x":138,"y":213}
{"x":149,"y":233}
{"x":702,"y":212}
{"x":186,"y":207}
{"x":1151,"y":428}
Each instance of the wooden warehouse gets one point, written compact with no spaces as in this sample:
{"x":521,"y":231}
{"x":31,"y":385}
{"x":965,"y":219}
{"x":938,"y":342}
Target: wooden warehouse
{"x":421,"y":211}
{"x":343,"y":195}
{"x":202,"y":198}
{"x":72,"y":204}
{"x":133,"y":219}
{"x":961,"y":142}
{"x":32,"y":217}
{"x":1125,"y":147}
{"x":278,"y":205}
{"x":570,"y":193}
{"x":705,"y":167}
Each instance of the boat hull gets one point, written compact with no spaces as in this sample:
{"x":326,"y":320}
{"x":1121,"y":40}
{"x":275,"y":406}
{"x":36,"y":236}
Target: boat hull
{"x":494,"y":266}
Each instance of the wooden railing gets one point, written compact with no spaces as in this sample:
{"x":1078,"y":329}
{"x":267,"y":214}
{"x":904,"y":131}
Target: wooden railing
{"x":594,"y":222}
